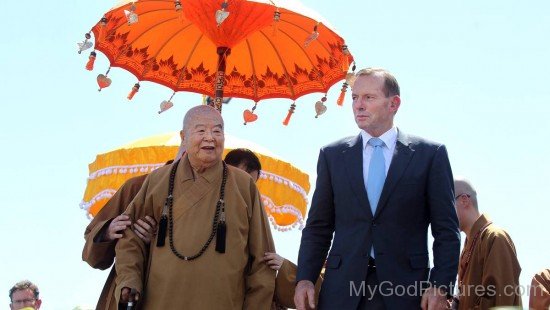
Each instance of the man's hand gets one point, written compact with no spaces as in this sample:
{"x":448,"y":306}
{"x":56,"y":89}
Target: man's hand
{"x":273,"y":260}
{"x":434,"y":299}
{"x":118,"y":224}
{"x":125,"y":295}
{"x":304,"y":296}
{"x":146,"y":229}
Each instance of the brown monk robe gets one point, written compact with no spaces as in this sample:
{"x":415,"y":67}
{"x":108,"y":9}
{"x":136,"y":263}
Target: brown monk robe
{"x":493,"y":269}
{"x":236,"y":279}
{"x":488,"y":273}
{"x":539,"y":294}
{"x":101,"y":254}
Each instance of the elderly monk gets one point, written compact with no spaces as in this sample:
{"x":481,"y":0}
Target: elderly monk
{"x":489,"y":270}
{"x":212,"y":231}
{"x":539,"y":294}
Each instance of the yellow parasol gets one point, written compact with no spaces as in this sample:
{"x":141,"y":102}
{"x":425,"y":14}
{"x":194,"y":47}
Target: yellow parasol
{"x":283,"y":187}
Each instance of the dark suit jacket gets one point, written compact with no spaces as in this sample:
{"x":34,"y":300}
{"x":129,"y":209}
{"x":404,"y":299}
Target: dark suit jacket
{"x":418,"y":192}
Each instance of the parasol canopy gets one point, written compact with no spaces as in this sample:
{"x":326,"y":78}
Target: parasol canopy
{"x":283,"y":187}
{"x":233,"y":48}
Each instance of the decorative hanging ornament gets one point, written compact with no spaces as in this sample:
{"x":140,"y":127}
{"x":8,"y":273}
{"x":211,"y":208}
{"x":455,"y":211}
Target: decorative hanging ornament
{"x":86,"y":44}
{"x":131,"y":15}
{"x":313,"y":36}
{"x":289,"y":114}
{"x":345,"y":58}
{"x":350,"y":77}
{"x":249,"y":115}
{"x":222,"y":14}
{"x":320,"y":107}
{"x":179,"y":7}
{"x":134,"y":90}
{"x":276,"y":19}
{"x":342,"y":96}
{"x":91,"y":60}
{"x":166,"y":104}
{"x":102,"y":23}
{"x":103,"y":81}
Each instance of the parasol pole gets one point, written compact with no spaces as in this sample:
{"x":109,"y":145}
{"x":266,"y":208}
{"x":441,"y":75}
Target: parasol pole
{"x":223,"y":52}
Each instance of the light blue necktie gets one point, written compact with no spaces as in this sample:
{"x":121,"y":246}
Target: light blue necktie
{"x":377,"y":173}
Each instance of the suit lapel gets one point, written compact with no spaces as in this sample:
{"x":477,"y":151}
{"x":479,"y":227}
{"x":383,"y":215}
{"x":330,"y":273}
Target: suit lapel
{"x":353,"y":158}
{"x":400,"y":160}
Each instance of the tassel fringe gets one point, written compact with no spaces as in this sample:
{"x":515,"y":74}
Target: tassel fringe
{"x":220,"y":237}
{"x":161,"y":236}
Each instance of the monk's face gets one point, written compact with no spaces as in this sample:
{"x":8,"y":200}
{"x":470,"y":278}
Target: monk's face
{"x":205,"y":140}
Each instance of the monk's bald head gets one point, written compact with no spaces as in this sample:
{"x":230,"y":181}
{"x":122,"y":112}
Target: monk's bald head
{"x":197,"y":112}
{"x":203,"y":137}
{"x":465,"y":187}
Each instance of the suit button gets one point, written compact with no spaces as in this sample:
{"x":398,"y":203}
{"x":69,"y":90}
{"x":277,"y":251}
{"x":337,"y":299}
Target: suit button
{"x":374,"y":223}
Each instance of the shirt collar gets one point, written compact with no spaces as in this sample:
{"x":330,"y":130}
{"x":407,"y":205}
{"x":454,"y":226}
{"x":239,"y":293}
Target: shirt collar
{"x":389,"y":137}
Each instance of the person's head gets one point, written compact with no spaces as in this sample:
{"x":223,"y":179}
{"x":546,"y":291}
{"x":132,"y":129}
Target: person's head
{"x":465,"y":203}
{"x":375,"y":94}
{"x":246,"y":160}
{"x":203,"y":137}
{"x":24,"y":294}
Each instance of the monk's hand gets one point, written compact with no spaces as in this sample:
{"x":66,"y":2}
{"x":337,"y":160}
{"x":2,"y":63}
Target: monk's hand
{"x":146,"y":228}
{"x":125,"y":295}
{"x":117,"y":225}
{"x":304,"y":296}
{"x":273,"y":260}
{"x":434,"y":299}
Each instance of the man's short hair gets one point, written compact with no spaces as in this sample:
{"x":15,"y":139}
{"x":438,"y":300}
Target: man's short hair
{"x":391,"y":87}
{"x":243,"y":156}
{"x":23,"y":285}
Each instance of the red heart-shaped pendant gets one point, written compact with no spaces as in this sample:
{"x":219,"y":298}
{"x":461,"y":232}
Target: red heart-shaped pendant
{"x":249,"y":117}
{"x":320,"y":108}
{"x":103,"y":81}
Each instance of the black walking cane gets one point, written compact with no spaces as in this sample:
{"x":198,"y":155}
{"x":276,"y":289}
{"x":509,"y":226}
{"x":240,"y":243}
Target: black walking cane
{"x":132,"y":299}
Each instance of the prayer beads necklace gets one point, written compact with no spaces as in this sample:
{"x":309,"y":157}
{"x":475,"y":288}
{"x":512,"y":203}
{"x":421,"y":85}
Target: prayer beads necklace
{"x":218,"y":223}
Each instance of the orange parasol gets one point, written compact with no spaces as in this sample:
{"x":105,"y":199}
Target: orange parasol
{"x":283,"y":187}
{"x":232,"y":48}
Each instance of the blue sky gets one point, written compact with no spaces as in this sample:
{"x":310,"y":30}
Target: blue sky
{"x":473,"y":74}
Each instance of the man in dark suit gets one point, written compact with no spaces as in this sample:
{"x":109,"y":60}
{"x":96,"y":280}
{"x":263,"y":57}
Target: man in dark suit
{"x":377,"y":193}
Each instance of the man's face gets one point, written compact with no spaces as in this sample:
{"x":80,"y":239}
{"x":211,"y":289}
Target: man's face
{"x":373,"y":111}
{"x":24,"y":298}
{"x":205,"y":140}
